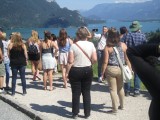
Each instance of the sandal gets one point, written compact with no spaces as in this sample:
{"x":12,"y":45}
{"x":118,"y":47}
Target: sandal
{"x":45,"y":88}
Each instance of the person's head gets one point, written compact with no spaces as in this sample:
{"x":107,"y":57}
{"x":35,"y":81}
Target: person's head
{"x":54,"y":38}
{"x":47,"y":36}
{"x":104,"y":30}
{"x":123,"y":30}
{"x":62,"y":37}
{"x":16,"y":39}
{"x":82,"y":33}
{"x":135,"y":26}
{"x":2,"y":36}
{"x":113,"y":37}
{"x":63,"y":34}
{"x":34,"y":36}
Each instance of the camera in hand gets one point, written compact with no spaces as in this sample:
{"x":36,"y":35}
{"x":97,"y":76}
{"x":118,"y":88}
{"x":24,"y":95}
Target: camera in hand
{"x":95,"y":30}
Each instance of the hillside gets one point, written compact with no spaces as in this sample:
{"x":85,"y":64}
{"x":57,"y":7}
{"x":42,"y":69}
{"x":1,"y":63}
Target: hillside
{"x":126,"y":11}
{"x":37,"y":13}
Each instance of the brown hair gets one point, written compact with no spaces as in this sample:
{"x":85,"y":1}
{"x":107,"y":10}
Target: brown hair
{"x":16,"y":39}
{"x":47,"y":35}
{"x":113,"y":37}
{"x":62,"y":37}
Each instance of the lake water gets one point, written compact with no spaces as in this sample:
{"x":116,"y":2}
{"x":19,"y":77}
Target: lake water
{"x":26,"y":32}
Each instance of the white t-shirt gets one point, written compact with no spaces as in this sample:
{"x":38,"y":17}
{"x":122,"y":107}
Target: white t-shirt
{"x":5,"y":48}
{"x":80,"y":59}
{"x":102,"y":41}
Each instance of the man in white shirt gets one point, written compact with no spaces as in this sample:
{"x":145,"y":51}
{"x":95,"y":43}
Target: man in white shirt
{"x":100,"y":47}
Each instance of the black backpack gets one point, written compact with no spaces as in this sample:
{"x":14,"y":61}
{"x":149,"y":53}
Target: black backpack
{"x":32,"y":49}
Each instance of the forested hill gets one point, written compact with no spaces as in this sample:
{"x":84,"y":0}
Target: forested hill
{"x":37,"y":13}
{"x":149,"y":10}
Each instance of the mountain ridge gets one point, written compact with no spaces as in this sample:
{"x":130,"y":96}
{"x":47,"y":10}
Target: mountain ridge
{"x":125,"y":11}
{"x":37,"y":13}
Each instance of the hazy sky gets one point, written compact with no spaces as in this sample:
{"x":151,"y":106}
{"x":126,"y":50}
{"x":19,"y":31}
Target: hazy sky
{"x":88,"y":4}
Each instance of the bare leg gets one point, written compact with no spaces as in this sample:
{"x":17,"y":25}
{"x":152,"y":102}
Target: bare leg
{"x":50,"y":76}
{"x":1,"y":81}
{"x":63,"y":68}
{"x":45,"y":79}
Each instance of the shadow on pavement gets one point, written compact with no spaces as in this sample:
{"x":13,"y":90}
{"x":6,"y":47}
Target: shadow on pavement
{"x":61,"y":111}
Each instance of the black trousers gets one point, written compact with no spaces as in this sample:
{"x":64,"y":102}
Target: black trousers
{"x":81,"y":79}
{"x":148,"y":74}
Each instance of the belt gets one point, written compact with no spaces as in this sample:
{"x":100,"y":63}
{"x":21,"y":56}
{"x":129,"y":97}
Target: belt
{"x":112,"y":64}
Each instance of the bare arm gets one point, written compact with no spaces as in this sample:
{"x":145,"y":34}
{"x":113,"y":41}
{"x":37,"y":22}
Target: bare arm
{"x":124,"y":46}
{"x":70,"y":62}
{"x":25,"y":52}
{"x":1,"y":55}
{"x":55,"y":46}
{"x":105,"y":61}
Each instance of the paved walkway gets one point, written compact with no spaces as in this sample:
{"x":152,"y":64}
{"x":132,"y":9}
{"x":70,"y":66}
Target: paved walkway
{"x":56,"y":105}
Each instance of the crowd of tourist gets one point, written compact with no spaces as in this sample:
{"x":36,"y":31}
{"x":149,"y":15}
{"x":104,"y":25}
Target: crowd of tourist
{"x":75,"y":58}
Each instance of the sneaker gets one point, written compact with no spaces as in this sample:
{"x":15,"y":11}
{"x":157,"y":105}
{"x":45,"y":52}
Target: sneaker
{"x":24,"y":93}
{"x":75,"y":116}
{"x":136,"y":93}
{"x":127,"y":93}
{"x":121,"y":108}
{"x":13,"y":94}
{"x":100,"y":79}
{"x":7,"y":88}
{"x":114,"y":112}
{"x":2,"y":91}
{"x":87,"y":116}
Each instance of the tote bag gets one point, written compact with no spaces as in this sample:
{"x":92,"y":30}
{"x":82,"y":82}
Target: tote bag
{"x":127,"y":73}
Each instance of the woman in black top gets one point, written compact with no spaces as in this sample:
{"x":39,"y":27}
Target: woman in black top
{"x":18,"y":60}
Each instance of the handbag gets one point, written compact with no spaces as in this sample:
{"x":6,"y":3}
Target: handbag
{"x":127,"y":73}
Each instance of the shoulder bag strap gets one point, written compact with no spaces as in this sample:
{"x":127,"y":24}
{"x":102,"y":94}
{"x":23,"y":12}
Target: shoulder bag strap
{"x":83,"y":52}
{"x":118,"y":57}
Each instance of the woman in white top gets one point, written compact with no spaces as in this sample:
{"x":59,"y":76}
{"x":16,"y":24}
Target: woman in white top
{"x":81,"y":74}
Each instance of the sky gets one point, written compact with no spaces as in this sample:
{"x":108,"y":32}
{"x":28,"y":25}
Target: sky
{"x":88,"y":4}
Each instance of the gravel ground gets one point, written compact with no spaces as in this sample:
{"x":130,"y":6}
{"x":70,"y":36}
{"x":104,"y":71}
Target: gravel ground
{"x":56,"y":104}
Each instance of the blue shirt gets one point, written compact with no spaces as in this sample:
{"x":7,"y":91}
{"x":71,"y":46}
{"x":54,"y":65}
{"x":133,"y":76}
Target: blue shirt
{"x":66,"y":47}
{"x":134,"y":39}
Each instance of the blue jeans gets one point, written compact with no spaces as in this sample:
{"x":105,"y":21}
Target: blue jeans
{"x":7,"y":69}
{"x":136,"y":84}
{"x":100,"y":54}
{"x":21,"y":70}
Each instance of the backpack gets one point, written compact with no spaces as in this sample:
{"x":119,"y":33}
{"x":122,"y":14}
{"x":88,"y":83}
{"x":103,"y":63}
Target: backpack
{"x":32,"y":49}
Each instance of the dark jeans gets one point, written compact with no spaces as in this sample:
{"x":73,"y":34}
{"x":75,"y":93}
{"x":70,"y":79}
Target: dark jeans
{"x":21,"y":70}
{"x":148,"y":74}
{"x":81,"y":80}
{"x":100,"y":54}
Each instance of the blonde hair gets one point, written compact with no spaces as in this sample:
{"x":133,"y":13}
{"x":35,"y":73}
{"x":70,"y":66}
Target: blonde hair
{"x":34,"y":36}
